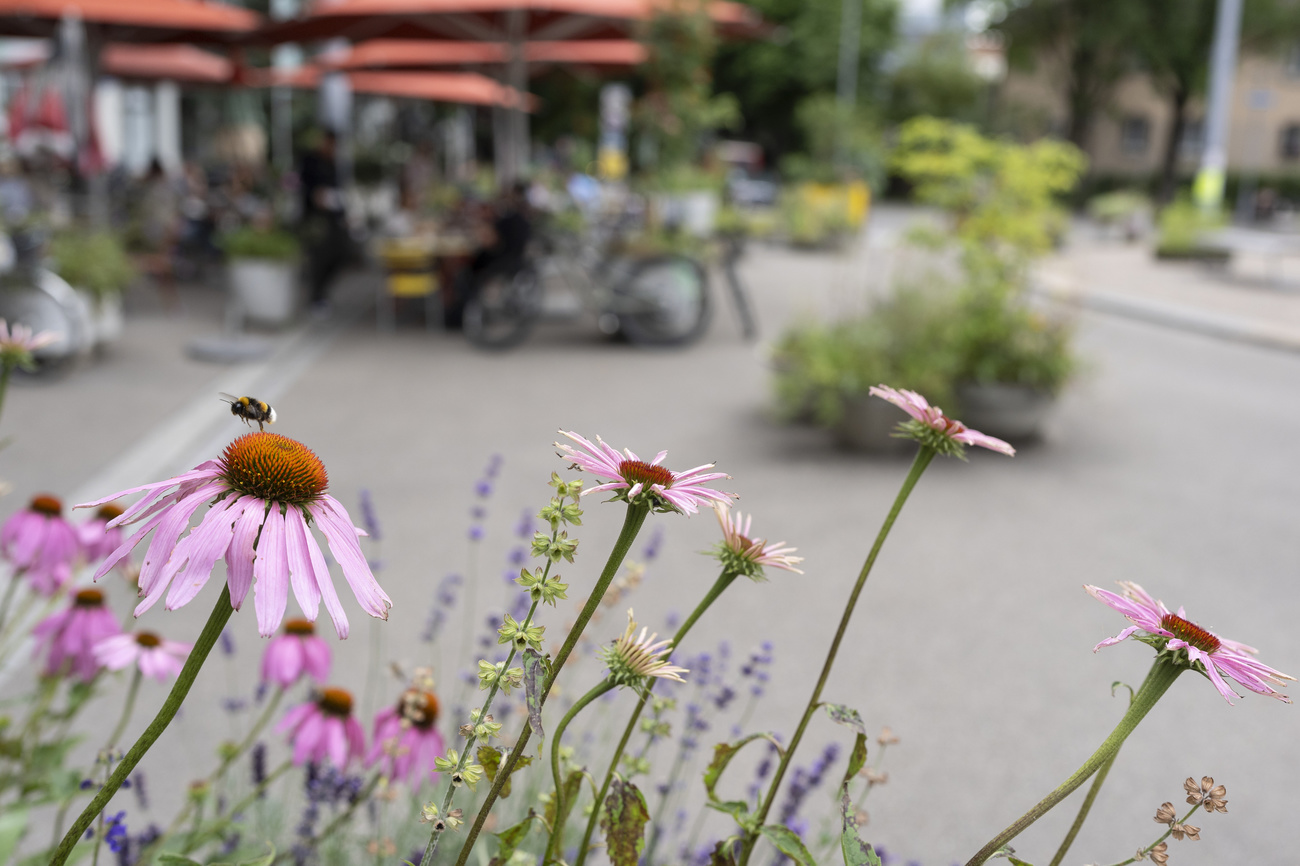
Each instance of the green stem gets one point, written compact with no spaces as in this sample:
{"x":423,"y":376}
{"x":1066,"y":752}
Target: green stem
{"x":8,"y":598}
{"x":233,"y":813}
{"x":632,"y":523}
{"x":1093,"y":790}
{"x":556,"y":843}
{"x":4,"y":382}
{"x":127,"y":709}
{"x":1162,"y":676}
{"x":248,"y":742}
{"x":719,"y":586}
{"x":207,"y":640}
{"x":1163,"y":837}
{"x":923,"y":458}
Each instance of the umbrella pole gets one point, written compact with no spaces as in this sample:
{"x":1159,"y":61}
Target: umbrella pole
{"x":517,"y":77}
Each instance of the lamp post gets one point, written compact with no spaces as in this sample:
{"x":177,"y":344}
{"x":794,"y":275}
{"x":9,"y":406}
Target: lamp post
{"x":1208,"y":189}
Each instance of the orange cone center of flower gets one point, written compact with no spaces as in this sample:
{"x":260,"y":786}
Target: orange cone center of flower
{"x":420,"y":708}
{"x":148,"y":639}
{"x":335,"y":701}
{"x":1190,"y":632}
{"x":640,"y":472}
{"x":47,"y":505}
{"x":89,"y":598}
{"x":274,"y":467}
{"x":300,"y":627}
{"x":109,"y":512}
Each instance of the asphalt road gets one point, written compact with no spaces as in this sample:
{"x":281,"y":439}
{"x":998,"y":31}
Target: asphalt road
{"x":1171,"y":462}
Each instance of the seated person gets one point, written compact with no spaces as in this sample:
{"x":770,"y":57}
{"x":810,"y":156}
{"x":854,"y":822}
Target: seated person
{"x":503,"y":236}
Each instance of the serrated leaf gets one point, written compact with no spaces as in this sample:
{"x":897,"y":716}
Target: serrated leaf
{"x":508,"y":839}
{"x":13,"y":826}
{"x":788,"y":843}
{"x":535,"y":674}
{"x":846,"y":716}
{"x":1016,"y":861}
{"x":856,"y":852}
{"x":623,"y":823}
{"x":858,"y":758}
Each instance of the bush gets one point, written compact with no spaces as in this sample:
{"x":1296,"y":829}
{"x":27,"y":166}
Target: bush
{"x":1183,"y":227}
{"x":94,"y":261}
{"x":250,"y":243}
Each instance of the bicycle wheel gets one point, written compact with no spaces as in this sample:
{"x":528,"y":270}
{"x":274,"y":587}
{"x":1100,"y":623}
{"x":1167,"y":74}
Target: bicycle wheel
{"x":502,"y":309}
{"x":664,"y":302}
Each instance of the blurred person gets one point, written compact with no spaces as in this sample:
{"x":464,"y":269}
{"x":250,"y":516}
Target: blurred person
{"x":159,"y":219}
{"x":17,"y":199}
{"x":324,"y":223}
{"x":502,"y":232}
{"x":417,"y":177}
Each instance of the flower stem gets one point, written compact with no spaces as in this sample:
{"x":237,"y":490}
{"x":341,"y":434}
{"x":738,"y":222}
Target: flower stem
{"x":1095,"y":788}
{"x":923,"y":458}
{"x":1162,"y":676}
{"x":724,"y":580}
{"x":8,"y":369}
{"x":247,"y":743}
{"x":556,"y":843}
{"x":8,"y":599}
{"x":632,"y":523}
{"x":207,"y":640}
{"x":127,"y":708}
{"x":233,"y":814}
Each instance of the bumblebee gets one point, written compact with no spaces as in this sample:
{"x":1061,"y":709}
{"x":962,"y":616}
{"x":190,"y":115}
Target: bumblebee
{"x":250,"y":410}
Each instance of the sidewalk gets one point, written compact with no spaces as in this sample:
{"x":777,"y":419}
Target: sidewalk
{"x":1127,"y":280}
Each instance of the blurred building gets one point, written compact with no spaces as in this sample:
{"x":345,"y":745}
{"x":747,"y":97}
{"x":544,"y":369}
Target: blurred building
{"x":1129,"y":133}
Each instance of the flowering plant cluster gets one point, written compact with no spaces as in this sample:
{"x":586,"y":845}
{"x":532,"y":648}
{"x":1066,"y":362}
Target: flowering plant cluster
{"x":489,"y":760}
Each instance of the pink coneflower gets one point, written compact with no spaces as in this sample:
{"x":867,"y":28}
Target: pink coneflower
{"x":296,"y":652}
{"x":264,"y":489}
{"x":635,"y":480}
{"x":930,"y":420}
{"x":98,"y":539}
{"x":1219,"y":656}
{"x":324,"y":728}
{"x":156,"y":657}
{"x":406,"y":738}
{"x":741,"y":553}
{"x":41,"y":544}
{"x":633,"y":658}
{"x":18,"y":342}
{"x":68,"y":637}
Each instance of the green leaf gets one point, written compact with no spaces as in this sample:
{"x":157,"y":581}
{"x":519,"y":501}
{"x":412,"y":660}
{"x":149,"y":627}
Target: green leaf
{"x":1016,"y":861}
{"x":536,"y":668}
{"x":508,"y":839}
{"x":856,"y":852}
{"x":623,"y":822}
{"x":723,"y":853}
{"x":857,"y":759}
{"x":13,"y":825}
{"x":265,"y":860}
{"x":722,"y":755}
{"x":788,"y":843}
{"x":491,"y":759}
{"x":176,"y":860}
{"x":569,"y":794}
{"x":846,"y":716}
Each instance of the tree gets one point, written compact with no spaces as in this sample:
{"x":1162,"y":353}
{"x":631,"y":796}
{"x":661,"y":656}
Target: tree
{"x":1090,"y":40}
{"x":936,"y":79}
{"x":771,"y":78}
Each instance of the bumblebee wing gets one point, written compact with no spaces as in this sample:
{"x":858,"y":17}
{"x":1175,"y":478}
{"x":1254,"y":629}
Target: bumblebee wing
{"x":229,"y":398}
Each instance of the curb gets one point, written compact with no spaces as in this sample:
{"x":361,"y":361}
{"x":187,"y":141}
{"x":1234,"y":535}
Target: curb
{"x":1060,"y":287}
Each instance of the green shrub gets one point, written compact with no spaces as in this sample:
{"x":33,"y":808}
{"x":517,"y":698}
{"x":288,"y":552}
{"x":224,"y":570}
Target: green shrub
{"x":94,"y":261}
{"x":251,"y":243}
{"x":1183,"y":227}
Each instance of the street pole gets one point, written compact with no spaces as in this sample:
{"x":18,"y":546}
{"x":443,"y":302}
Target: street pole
{"x":1208,"y":189}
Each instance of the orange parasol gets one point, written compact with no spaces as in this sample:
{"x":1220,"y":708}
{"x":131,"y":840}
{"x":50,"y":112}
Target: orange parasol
{"x":181,"y":63}
{"x":433,"y":53}
{"x":467,"y":88}
{"x":130,"y":20}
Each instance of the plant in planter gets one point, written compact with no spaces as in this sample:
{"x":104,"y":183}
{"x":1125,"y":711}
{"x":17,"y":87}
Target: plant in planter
{"x":98,"y":266}
{"x":263,"y":267}
{"x":1183,"y":233}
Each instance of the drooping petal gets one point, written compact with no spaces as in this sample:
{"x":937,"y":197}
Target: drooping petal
{"x":337,"y":528}
{"x":198,"y":552}
{"x":325,"y":583}
{"x":239,"y":557}
{"x":271,"y":568}
{"x":125,"y":547}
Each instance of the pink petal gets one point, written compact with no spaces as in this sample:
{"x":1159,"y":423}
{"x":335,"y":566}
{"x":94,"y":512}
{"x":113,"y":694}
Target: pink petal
{"x":271,"y":592}
{"x":197,"y":553}
{"x":301,"y":575}
{"x":316,"y":655}
{"x":325,"y":584}
{"x":239,"y":557}
{"x":336,"y":742}
{"x":334,"y":523}
{"x":295,"y":717}
{"x":310,"y":740}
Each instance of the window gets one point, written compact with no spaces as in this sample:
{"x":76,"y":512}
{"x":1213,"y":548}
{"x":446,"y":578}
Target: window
{"x":1134,"y":135}
{"x":1193,"y":140}
{"x":1289,"y":145}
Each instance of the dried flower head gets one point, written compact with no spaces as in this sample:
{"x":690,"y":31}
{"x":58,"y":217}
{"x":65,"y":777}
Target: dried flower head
{"x":1159,"y":854}
{"x":631,"y":659}
{"x":1165,"y":814}
{"x":1213,"y":797}
{"x":1185,"y":830}
{"x":887,"y":737}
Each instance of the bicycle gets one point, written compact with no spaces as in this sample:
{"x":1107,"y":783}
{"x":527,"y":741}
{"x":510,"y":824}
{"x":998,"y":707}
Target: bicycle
{"x":657,"y":300}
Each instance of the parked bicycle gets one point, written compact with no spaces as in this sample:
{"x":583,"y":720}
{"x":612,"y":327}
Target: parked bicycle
{"x":657,"y":300}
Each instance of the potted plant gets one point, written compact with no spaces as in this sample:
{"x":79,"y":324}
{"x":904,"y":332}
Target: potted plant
{"x":1184,"y":231}
{"x":97,"y":266}
{"x":823,"y":371}
{"x":263,"y":270}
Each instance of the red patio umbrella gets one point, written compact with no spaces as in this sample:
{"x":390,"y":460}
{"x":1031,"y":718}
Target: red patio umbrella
{"x":466,"y":88}
{"x":438,"y":53}
{"x":181,"y":63}
{"x":130,"y":20}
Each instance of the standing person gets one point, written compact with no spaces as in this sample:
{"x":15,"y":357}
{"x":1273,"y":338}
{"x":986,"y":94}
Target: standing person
{"x":324,"y":226}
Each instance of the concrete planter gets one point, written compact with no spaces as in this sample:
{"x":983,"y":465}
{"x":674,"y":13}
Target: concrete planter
{"x":868,"y":425}
{"x":266,"y":290}
{"x":695,"y":213}
{"x":107,"y":320}
{"x":1011,"y":412}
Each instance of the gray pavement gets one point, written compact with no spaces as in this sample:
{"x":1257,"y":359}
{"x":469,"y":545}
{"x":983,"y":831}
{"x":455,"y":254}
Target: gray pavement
{"x":1170,"y":463}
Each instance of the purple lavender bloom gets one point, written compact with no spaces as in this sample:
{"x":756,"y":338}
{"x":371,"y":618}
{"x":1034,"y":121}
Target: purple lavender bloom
{"x":494,"y":466}
{"x":234,"y":705}
{"x":518,"y":556}
{"x":672,"y":621}
{"x":478,"y":512}
{"x":258,"y":758}
{"x":115,"y":832}
{"x":483,"y":488}
{"x":527,"y":524}
{"x":476,"y":533}
{"x":651,"y":549}
{"x":227,"y":642}
{"x":141,"y":793}
{"x":369,"y":521}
